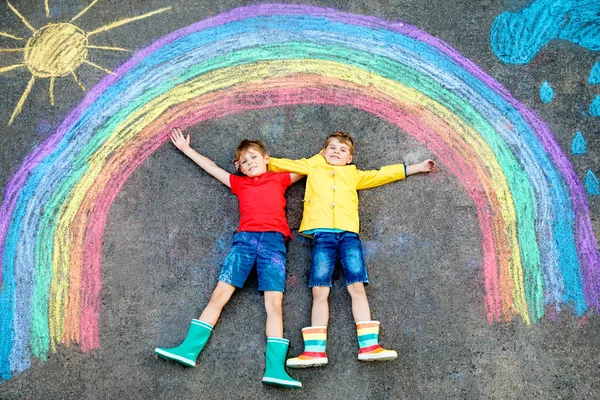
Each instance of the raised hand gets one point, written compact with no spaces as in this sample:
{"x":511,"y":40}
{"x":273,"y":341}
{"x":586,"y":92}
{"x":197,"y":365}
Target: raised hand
{"x":180,"y":141}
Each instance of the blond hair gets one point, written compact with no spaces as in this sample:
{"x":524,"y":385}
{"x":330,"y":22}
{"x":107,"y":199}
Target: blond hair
{"x":342,"y":137}
{"x":248,"y":144}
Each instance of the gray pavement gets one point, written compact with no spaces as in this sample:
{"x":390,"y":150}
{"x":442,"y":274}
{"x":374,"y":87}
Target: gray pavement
{"x":171,"y":226}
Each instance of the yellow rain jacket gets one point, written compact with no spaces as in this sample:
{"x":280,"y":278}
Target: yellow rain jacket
{"x":331,"y":198}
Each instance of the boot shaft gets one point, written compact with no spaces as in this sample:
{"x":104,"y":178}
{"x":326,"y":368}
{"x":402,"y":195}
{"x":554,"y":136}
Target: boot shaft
{"x":315,"y":339}
{"x":275,"y":354}
{"x":368,"y":333}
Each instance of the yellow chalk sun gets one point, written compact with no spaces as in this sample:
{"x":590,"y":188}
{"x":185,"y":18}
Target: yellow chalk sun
{"x":57,"y":50}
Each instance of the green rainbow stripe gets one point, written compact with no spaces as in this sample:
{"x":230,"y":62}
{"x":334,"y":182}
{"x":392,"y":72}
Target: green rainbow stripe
{"x":537,"y":241}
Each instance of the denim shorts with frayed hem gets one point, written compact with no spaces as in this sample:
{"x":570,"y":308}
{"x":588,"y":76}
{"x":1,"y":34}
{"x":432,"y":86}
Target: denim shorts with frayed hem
{"x":331,"y":247}
{"x":266,"y":250}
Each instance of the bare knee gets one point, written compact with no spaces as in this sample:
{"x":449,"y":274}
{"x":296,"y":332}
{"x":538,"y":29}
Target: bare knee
{"x":221,"y":294}
{"x":273,"y":302}
{"x":320,"y":293}
{"x":357,"y":290}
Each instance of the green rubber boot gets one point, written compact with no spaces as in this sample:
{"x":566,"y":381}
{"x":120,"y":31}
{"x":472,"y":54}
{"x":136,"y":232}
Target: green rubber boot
{"x":187,"y":352}
{"x":275,"y":364}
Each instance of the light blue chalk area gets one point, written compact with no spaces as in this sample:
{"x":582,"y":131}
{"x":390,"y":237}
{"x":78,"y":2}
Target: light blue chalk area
{"x":578,"y":144}
{"x":595,"y":107}
{"x":517,"y":37}
{"x":594,"y":78}
{"x":591,"y":183}
{"x":546,"y":92}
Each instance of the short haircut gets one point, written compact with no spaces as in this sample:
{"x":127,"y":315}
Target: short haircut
{"x":342,"y":137}
{"x":247,"y":144}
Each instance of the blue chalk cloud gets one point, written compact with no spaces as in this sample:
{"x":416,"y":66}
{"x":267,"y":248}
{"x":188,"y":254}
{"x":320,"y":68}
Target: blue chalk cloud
{"x":517,"y":37}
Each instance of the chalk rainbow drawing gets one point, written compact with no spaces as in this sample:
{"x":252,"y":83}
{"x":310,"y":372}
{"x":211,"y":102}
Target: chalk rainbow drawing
{"x":538,"y":245}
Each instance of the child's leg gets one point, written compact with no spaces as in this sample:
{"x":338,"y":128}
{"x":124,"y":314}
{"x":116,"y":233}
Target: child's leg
{"x":274,"y":325}
{"x":320,"y":306}
{"x":220,"y":296}
{"x":277,"y":346}
{"x":200,"y":330}
{"x":315,"y":336}
{"x":360,"y":304}
{"x":355,"y":271}
{"x":324,"y":257}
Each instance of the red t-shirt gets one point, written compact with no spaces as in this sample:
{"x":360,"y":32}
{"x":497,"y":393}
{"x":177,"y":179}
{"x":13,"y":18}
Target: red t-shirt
{"x":262,"y":202}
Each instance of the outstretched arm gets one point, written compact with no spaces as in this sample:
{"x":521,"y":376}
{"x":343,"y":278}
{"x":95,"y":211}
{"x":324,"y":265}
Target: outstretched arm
{"x":296,"y":177}
{"x":183,"y":144}
{"x":425,"y":166}
{"x":301,"y":166}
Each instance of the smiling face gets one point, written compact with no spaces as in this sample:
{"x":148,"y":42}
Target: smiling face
{"x":337,"y":153}
{"x":253,"y":163}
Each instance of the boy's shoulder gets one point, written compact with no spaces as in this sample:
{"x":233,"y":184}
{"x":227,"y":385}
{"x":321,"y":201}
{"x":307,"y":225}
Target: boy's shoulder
{"x":266,"y":177}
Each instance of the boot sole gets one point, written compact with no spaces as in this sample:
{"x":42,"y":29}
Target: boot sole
{"x":174,"y":357}
{"x":307,"y":363}
{"x":281,"y":382}
{"x":375,"y":358}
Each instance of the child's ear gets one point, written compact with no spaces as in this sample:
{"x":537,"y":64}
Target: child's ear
{"x":267,"y":158}
{"x":350,"y":159}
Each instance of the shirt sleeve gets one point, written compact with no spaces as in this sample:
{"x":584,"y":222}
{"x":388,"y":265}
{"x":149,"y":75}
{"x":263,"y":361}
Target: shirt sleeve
{"x":373,"y":178}
{"x":234,"y":182}
{"x":301,"y":166}
{"x":285,"y":178}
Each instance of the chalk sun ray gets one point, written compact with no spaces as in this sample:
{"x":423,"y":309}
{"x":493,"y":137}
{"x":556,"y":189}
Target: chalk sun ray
{"x":24,"y":96}
{"x":8,"y":35}
{"x":125,"y":21}
{"x":77,"y":81}
{"x":12,"y":50}
{"x":47,"y":7}
{"x":84,"y":10}
{"x":108,"y":48}
{"x":51,"y":90}
{"x":11,"y":67}
{"x":99,"y":67}
{"x":22,"y":18}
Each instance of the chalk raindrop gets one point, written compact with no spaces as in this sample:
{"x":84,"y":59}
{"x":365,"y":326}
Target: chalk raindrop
{"x":546,"y":92}
{"x":578,"y":146}
{"x":591,"y":183}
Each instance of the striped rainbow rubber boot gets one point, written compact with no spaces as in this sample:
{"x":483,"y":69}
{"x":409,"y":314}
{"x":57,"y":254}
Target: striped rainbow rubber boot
{"x":315,"y":341}
{"x":368,"y":341}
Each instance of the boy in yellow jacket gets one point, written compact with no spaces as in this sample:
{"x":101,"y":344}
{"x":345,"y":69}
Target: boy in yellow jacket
{"x":331,"y":218}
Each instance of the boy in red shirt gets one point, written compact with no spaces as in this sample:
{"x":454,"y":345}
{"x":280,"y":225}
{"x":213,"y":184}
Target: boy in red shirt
{"x":260,"y":241}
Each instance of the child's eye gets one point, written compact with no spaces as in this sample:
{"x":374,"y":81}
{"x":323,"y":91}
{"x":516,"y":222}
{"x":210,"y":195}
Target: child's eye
{"x":253,"y":157}
{"x":243,"y":161}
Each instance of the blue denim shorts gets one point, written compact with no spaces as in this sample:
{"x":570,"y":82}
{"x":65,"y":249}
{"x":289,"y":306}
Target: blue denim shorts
{"x":331,"y":247}
{"x":266,"y":250}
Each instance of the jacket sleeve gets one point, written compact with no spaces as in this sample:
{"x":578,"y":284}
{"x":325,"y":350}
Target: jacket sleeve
{"x":301,"y":166}
{"x":387,"y":174}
